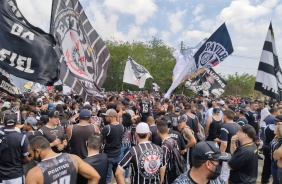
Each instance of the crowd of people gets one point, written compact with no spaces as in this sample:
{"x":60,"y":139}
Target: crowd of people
{"x":139,"y":137}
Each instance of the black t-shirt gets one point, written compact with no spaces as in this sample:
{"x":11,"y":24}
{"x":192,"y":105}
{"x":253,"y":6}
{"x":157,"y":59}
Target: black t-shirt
{"x":146,"y":159}
{"x":252,"y":118}
{"x":173,"y":118}
{"x":178,"y":139}
{"x":154,"y":138}
{"x":244,"y":164}
{"x":11,"y":165}
{"x":145,"y":106}
{"x":269,"y":134}
{"x":242,"y":121}
{"x":113,"y":134}
{"x":226,"y":132}
{"x":98,"y":163}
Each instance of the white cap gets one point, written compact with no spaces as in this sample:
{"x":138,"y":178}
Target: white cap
{"x":86,"y":103}
{"x":7,"y":104}
{"x":142,"y":128}
{"x":221,"y":102}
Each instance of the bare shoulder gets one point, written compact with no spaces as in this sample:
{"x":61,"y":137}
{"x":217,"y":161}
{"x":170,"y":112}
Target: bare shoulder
{"x":75,"y":159}
{"x":35,"y":176}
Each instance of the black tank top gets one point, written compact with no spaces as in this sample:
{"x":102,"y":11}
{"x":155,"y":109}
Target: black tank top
{"x":213,"y":130}
{"x":59,"y":169}
{"x":79,"y":137}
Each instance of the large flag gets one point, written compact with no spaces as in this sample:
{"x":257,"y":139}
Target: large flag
{"x":183,"y":57}
{"x":269,"y":75}
{"x":84,"y":55}
{"x":156,"y":87}
{"x":216,"y":49}
{"x":7,"y":87}
{"x":207,"y":83}
{"x":135,"y":74}
{"x":26,"y":51}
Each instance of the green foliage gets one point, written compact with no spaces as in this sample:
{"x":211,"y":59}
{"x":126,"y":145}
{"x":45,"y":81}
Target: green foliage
{"x":154,"y":55}
{"x":157,"y":58}
{"x":242,"y":85}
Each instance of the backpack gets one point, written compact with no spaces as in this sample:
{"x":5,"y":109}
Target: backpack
{"x":178,"y":163}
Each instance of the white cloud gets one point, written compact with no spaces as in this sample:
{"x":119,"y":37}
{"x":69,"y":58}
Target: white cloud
{"x":175,"y":21}
{"x":195,"y":35}
{"x":37,"y":12}
{"x":152,"y":31}
{"x":199,"y":9}
{"x":141,"y":9}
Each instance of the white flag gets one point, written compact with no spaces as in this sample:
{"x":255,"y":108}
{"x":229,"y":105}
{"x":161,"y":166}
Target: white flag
{"x":156,"y":87}
{"x":135,"y":74}
{"x":185,"y":64}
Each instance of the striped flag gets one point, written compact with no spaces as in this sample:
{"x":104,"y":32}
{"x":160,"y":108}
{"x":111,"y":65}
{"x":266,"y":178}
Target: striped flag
{"x":269,"y":75}
{"x":84,"y":56}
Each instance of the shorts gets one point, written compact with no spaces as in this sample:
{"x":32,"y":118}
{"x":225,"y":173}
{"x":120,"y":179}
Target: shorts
{"x":20,"y":180}
{"x":225,"y":172}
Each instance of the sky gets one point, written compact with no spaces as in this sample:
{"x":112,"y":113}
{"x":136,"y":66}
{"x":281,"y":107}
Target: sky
{"x":174,"y":21}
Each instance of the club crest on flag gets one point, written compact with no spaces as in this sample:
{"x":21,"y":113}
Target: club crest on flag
{"x":212,"y":55}
{"x":75,"y":45}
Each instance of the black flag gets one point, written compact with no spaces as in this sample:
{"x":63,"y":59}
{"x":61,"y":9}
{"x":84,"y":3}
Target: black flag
{"x":26,"y":51}
{"x":269,"y":75}
{"x":207,"y":83}
{"x":7,"y":87}
{"x":84,"y":55}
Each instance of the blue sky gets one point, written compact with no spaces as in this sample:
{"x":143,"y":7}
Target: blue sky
{"x":174,"y":21}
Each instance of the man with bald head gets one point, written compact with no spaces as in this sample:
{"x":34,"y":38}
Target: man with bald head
{"x":154,"y":138}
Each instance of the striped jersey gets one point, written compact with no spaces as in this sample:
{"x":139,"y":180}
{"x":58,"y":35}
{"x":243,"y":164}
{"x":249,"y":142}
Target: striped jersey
{"x":145,"y":159}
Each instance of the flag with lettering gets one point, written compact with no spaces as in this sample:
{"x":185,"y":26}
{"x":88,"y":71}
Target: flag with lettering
{"x":207,"y":83}
{"x":26,"y":51}
{"x":7,"y":87}
{"x":84,"y":55}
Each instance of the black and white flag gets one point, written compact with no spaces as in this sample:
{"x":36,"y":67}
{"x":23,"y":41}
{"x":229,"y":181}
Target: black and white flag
{"x":7,"y":87}
{"x":26,"y":51}
{"x":156,"y":87}
{"x":84,"y":55}
{"x":135,"y":73}
{"x":269,"y":75}
{"x":207,"y":83}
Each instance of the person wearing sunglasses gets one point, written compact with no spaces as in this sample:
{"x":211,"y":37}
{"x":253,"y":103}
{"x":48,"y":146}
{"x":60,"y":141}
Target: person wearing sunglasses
{"x":243,"y":164}
{"x":207,"y":163}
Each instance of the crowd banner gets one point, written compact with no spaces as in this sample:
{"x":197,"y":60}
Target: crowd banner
{"x":269,"y":75}
{"x":135,"y":73}
{"x":156,"y":87}
{"x":215,"y":50}
{"x":207,"y":83}
{"x":84,"y":56}
{"x":7,"y":87}
{"x":26,"y":51}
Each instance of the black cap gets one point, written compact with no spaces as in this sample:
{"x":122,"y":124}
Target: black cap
{"x":125,"y":102}
{"x":10,"y":118}
{"x":278,"y":118}
{"x":181,"y":119}
{"x":177,"y":109}
{"x":209,"y":150}
{"x":44,"y":119}
{"x":54,"y":114}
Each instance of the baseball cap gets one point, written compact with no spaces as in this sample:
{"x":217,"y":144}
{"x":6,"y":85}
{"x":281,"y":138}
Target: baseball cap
{"x":221,"y":102}
{"x":7,"y":104}
{"x":278,"y":118}
{"x":111,"y":112}
{"x":44,"y":119}
{"x":142,"y":128}
{"x":209,"y":150}
{"x":10,"y":118}
{"x":54,"y":114}
{"x":181,"y":119}
{"x":32,"y":122}
{"x":84,"y":113}
{"x":177,"y":109}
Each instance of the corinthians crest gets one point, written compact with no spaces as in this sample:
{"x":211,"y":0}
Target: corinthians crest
{"x":80,"y":58}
